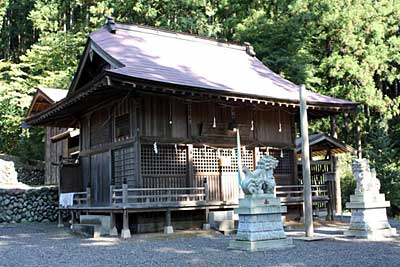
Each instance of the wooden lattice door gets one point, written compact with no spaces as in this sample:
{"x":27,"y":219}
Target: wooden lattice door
{"x":219,"y":167}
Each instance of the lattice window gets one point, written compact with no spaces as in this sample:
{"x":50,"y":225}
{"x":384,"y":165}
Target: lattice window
{"x":205,"y":160}
{"x":168,"y":161}
{"x":286,"y":163}
{"x":208,"y":159}
{"x":122,"y":127}
{"x":124,"y":166}
{"x":100,"y":127}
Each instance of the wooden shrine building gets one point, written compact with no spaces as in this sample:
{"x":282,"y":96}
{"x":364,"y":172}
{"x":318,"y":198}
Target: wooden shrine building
{"x":59,"y":141}
{"x":157,"y":112}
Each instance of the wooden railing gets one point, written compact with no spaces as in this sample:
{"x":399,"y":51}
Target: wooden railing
{"x":82,"y":198}
{"x":126,"y":196}
{"x":293,"y":194}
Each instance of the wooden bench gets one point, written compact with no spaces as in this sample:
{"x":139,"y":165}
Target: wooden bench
{"x":293,"y":194}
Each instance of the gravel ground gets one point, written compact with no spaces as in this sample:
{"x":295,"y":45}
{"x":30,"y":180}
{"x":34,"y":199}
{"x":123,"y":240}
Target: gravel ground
{"x":46,"y":245}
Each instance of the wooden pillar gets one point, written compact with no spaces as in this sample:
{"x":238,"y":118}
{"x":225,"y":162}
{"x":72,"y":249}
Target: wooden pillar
{"x":124,"y":194}
{"x":125,"y":233}
{"x":191,"y":182}
{"x":168,"y":229}
{"x":206,"y":190}
{"x":60,"y":219}
{"x":337,"y":201}
{"x":308,"y":219}
{"x":88,"y":196}
{"x":111,"y":195}
{"x":73,"y":219}
{"x":206,"y":225}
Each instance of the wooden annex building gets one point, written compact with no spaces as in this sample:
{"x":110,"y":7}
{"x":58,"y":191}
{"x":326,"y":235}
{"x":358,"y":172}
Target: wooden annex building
{"x":157,"y":113}
{"x":59,"y":141}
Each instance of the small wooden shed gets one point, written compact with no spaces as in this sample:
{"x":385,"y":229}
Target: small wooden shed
{"x":323,"y":151}
{"x":57,"y":143}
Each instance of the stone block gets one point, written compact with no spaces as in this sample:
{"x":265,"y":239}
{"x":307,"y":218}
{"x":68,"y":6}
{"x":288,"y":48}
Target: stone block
{"x":206,"y":227}
{"x":168,"y":230}
{"x":125,"y":233}
{"x":103,"y":221}
{"x":216,"y":217}
{"x":261,"y":245}
{"x":113,"y":231}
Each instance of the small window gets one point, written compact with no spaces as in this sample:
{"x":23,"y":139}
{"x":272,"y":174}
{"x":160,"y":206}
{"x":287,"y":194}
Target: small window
{"x":122,"y":129}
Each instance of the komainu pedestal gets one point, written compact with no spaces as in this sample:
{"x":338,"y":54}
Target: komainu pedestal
{"x":367,"y":205}
{"x":260,"y":212}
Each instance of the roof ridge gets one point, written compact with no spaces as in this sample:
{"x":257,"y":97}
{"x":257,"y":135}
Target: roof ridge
{"x":180,"y":35}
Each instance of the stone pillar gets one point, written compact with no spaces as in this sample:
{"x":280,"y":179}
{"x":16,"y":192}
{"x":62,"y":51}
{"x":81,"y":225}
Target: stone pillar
{"x":260,"y":224}
{"x":125,"y":233}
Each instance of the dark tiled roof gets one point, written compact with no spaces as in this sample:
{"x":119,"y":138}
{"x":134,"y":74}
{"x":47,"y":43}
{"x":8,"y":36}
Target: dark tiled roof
{"x":186,"y":60}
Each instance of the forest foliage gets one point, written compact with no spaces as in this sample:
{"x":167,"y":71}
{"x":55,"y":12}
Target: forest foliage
{"x":344,"y":48}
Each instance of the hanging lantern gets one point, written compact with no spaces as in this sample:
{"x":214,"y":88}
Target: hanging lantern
{"x":252,"y":125}
{"x":214,"y":123}
{"x":281,"y":153}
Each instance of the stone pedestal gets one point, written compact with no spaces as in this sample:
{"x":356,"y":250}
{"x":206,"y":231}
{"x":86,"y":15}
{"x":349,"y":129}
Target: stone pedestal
{"x":113,"y":231}
{"x":368,"y":217}
{"x":168,"y":230}
{"x":125,"y":233}
{"x":206,"y":227}
{"x":260,"y":224}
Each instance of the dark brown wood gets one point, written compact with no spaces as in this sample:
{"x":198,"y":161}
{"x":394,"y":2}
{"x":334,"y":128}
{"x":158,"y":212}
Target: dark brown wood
{"x":100,"y":178}
{"x":190,"y":151}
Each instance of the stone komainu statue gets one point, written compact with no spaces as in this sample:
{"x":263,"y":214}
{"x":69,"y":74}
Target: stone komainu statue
{"x":261,"y":180}
{"x":365,"y":177}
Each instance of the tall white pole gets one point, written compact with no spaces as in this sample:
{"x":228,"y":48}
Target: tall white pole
{"x":305,"y":157}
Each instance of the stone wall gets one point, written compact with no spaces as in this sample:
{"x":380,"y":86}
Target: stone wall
{"x":31,"y":176}
{"x":29,"y":173}
{"x":33,"y":205}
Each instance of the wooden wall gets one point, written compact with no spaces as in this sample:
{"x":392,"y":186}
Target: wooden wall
{"x":172,"y":118}
{"x":180,"y":128}
{"x":53,"y":151}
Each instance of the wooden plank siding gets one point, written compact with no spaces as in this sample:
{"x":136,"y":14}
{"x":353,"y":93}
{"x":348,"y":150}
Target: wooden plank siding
{"x":177,"y":125}
{"x":100,"y":178}
{"x":53,"y":152}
